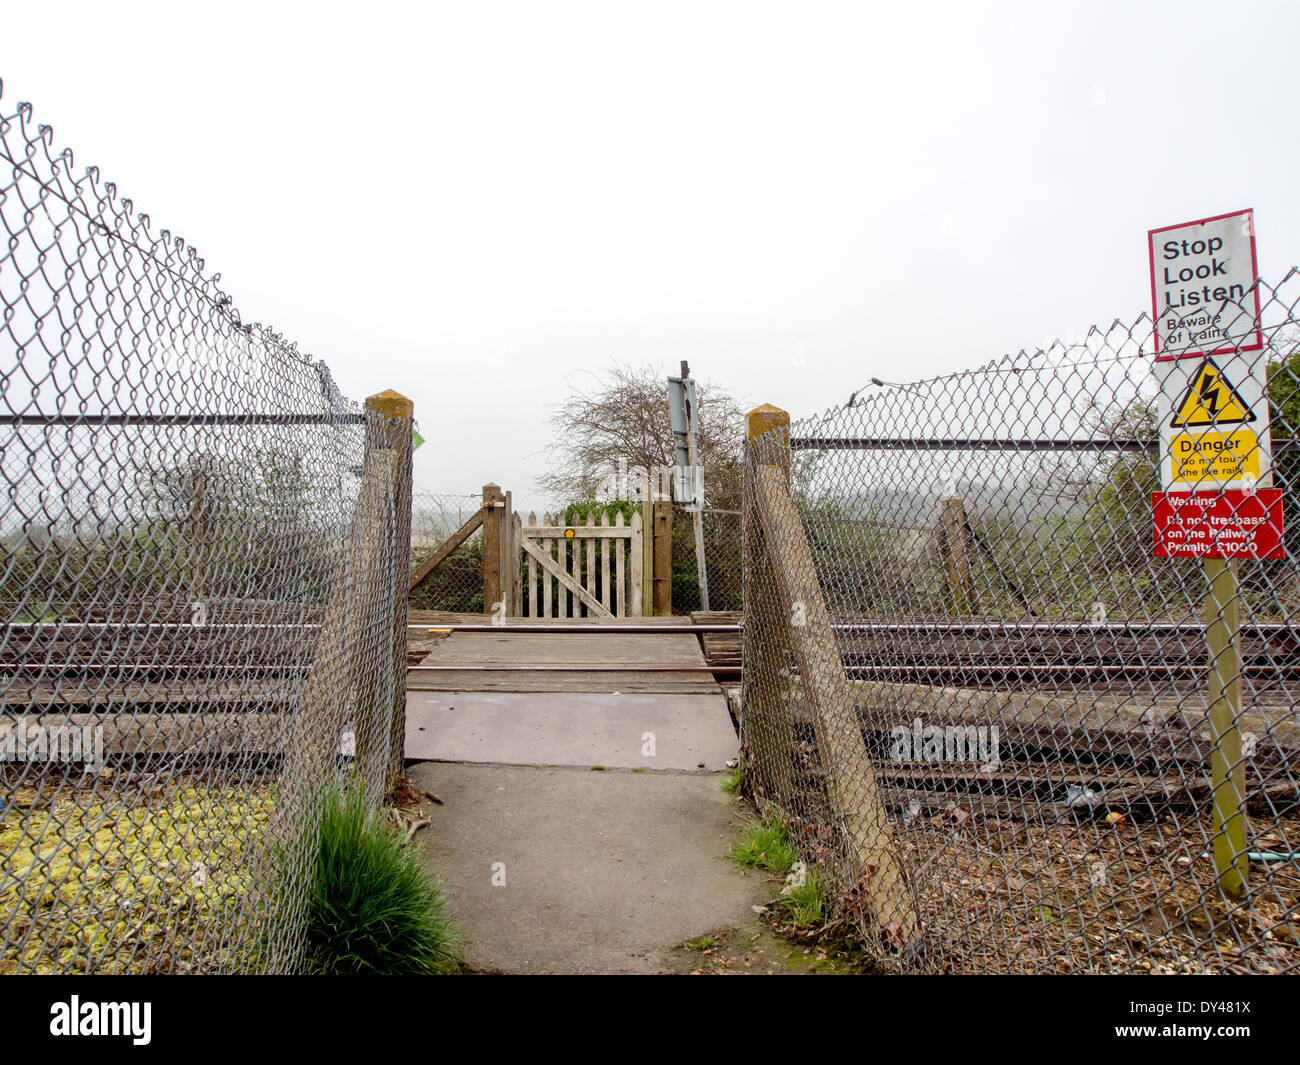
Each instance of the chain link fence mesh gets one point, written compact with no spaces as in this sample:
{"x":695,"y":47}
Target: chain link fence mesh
{"x":981,"y":706}
{"x":722,"y":555}
{"x":203,"y":545}
{"x":456,"y":584}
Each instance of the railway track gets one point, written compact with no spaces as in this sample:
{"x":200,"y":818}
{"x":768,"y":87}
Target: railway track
{"x":239,"y":674}
{"x":976,"y":654}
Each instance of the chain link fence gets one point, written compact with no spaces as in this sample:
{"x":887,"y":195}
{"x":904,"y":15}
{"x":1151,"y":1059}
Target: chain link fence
{"x":456,"y":584}
{"x":990,"y":719}
{"x":203,"y":555}
{"x":722,"y":555}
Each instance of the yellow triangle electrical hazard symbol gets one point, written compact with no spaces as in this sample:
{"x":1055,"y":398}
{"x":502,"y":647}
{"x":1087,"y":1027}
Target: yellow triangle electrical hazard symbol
{"x":1211,"y":400}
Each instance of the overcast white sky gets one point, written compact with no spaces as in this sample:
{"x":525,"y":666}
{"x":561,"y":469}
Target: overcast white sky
{"x":472,"y":203}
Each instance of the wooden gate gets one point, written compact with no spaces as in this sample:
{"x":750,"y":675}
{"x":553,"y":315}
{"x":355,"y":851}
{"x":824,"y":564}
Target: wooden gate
{"x":594,"y":569}
{"x":583,"y":570}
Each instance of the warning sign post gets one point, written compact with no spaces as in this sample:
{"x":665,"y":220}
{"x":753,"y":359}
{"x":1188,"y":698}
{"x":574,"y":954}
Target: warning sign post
{"x":1216,"y":468}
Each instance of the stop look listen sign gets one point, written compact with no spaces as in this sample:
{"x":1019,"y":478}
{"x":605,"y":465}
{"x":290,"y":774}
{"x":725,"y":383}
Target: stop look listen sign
{"x":1203,"y":299}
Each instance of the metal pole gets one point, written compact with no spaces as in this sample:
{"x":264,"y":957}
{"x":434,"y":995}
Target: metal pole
{"x":1227,"y":770}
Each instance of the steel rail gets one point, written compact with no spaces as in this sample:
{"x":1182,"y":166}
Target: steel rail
{"x":101,"y":668}
{"x":939,"y":627}
{"x":309,"y":625}
{"x":935,"y":671}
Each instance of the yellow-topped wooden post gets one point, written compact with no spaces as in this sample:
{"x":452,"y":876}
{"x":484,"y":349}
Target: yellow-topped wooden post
{"x":765,"y":650}
{"x":390,"y":404}
{"x":393,"y":436}
{"x":769,"y":419}
{"x":343,"y":687}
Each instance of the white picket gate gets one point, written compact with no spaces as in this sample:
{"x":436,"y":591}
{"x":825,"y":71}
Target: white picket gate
{"x":584,"y":570}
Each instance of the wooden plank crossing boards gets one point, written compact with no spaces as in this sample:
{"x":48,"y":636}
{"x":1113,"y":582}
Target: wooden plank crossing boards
{"x":436,"y":618}
{"x":512,"y":653}
{"x":598,"y":698}
{"x":722,"y":649}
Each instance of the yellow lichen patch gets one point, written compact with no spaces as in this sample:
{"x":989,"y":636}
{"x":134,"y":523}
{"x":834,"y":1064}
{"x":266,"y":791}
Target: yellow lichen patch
{"x":92,"y":881}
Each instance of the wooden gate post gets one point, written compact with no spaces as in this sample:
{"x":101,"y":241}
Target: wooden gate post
{"x":493,"y":508}
{"x":516,"y":562}
{"x":663,"y":557}
{"x":647,"y":551}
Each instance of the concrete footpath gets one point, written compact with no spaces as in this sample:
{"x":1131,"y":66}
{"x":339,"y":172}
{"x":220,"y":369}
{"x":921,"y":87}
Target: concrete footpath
{"x":553,"y":866}
{"x":570,"y":870}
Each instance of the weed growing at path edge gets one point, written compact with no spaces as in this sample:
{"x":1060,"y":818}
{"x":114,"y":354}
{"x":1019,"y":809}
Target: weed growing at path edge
{"x":765,"y":845}
{"x":374,"y":907}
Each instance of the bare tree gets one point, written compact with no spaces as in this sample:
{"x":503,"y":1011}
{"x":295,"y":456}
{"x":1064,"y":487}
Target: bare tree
{"x":623,"y":418}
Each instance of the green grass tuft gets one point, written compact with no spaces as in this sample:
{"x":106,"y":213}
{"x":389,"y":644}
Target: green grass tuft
{"x":765,"y":845}
{"x":703,"y":943}
{"x":805,"y":904}
{"x":732,"y":780}
{"x":374,"y":907}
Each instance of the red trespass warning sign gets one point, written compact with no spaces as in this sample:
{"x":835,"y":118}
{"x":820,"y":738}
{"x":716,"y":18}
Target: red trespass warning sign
{"x":1231,"y":523}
